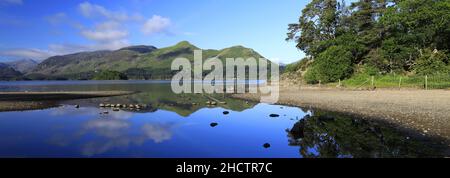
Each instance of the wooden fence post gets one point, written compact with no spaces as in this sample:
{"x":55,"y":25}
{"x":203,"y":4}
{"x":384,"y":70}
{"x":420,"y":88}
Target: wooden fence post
{"x":400,"y":83}
{"x":426,"y":82}
{"x":373,"y":78}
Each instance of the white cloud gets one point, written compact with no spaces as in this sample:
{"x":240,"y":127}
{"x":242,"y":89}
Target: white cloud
{"x":59,"y":49}
{"x":16,"y":2}
{"x":93,"y":10}
{"x":104,"y":35}
{"x":57,"y":18}
{"x":107,"y":35}
{"x":156,"y":24}
{"x":110,"y":31}
{"x":157,"y":132}
{"x":62,"y":49}
{"x":25,"y":53}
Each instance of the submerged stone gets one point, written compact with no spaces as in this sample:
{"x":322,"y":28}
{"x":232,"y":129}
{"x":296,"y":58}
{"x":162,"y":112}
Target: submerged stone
{"x":266,"y":145}
{"x":274,"y":115}
{"x":226,"y":112}
{"x":214,"y":124}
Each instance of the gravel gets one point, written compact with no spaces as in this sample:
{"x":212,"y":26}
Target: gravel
{"x":426,"y":111}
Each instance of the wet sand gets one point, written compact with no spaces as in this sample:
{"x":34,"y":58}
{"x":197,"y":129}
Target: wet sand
{"x":19,"y":101}
{"x":426,"y":111}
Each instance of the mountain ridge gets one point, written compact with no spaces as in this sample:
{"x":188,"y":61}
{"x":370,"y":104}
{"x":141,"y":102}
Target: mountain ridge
{"x":22,"y":65}
{"x":8,"y":73}
{"x":137,"y":62}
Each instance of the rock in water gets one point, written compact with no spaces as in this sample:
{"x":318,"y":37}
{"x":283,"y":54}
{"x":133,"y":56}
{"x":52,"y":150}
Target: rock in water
{"x":266,"y":145}
{"x":226,"y":112}
{"x":274,"y":115}
{"x":77,"y":106}
{"x":214,"y":124}
{"x":116,"y":109}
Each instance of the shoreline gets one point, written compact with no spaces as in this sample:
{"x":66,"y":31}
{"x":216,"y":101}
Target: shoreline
{"x":21,"y":101}
{"x":424,"y":111}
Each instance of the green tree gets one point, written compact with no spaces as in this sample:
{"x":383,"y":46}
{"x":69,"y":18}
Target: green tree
{"x":391,"y":36}
{"x":333,"y":64}
{"x":318,"y":22}
{"x":109,"y":75}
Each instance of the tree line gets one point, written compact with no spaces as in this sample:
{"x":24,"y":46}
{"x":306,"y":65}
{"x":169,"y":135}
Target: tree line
{"x":410,"y":37}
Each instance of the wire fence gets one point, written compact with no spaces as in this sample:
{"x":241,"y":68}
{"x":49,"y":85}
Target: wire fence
{"x":426,"y":82}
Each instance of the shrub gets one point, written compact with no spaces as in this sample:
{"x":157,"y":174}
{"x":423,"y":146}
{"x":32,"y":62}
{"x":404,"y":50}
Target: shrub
{"x":333,"y":64}
{"x":311,"y":76}
{"x":431,"y":62}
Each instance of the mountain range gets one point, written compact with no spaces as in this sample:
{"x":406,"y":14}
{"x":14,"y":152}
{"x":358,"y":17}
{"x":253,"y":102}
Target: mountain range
{"x":23,"y":65}
{"x":136,"y":62}
{"x":8,"y":73}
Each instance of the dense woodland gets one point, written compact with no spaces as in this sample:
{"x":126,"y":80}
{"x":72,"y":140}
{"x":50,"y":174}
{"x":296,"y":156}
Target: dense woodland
{"x":376,"y":37}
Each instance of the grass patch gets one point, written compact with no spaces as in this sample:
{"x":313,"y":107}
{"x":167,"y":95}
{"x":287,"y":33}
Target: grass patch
{"x":364,"y":81}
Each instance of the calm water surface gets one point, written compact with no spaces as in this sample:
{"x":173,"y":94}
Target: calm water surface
{"x":180,"y":126}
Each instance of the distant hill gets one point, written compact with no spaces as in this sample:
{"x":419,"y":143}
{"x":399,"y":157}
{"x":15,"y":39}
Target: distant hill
{"x":136,"y":62}
{"x":24,"y":65}
{"x":8,"y":73}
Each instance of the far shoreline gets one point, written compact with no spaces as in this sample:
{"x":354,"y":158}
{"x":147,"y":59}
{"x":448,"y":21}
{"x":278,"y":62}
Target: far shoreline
{"x":20,"y":101}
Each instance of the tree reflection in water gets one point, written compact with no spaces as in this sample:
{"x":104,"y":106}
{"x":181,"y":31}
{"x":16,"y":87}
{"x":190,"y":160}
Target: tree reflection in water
{"x":325,"y":136}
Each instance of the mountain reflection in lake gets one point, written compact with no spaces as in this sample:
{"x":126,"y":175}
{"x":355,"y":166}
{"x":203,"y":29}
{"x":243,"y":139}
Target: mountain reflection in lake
{"x":180,"y":126}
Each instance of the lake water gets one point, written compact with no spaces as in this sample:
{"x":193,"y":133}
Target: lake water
{"x":181,"y":126}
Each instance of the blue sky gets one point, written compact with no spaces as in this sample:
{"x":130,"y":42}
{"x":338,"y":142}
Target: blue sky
{"x":38,"y":29}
